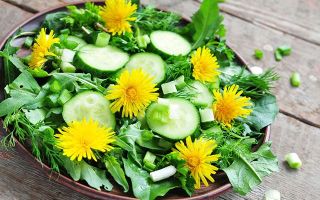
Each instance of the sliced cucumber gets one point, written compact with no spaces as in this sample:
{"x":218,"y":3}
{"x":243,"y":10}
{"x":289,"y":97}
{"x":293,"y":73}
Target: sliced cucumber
{"x":173,"y":118}
{"x":150,"y":63}
{"x":203,"y":97}
{"x":100,"y":60}
{"x":170,"y":43}
{"x":79,"y":41}
{"x":89,"y":105}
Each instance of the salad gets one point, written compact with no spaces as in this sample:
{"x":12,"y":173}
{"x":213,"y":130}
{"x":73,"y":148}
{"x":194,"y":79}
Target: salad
{"x":134,"y":96}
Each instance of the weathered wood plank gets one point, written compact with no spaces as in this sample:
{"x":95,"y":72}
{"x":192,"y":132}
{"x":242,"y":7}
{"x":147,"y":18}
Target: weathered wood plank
{"x":10,"y":17}
{"x":287,"y":136}
{"x":34,"y":5}
{"x":295,"y":17}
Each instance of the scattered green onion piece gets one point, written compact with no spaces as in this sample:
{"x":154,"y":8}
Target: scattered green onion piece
{"x":65,"y":31}
{"x":295,"y":79}
{"x":28,"y":42}
{"x":147,"y":135}
{"x":64,"y":97}
{"x":46,"y":129}
{"x":285,"y":50}
{"x":102,"y":39}
{"x":272,"y":195}
{"x":256,"y":70}
{"x":293,"y":160}
{"x":55,"y":87}
{"x":149,"y":166}
{"x":206,"y":115}
{"x":278,"y":55}
{"x":26,"y":59}
{"x":38,"y":73}
{"x":149,"y":157}
{"x":70,"y":44}
{"x":168,"y":88}
{"x":52,"y":100}
{"x":143,"y":41}
{"x":67,"y":67}
{"x":180,"y":83}
{"x":67,"y":55}
{"x":163,"y":173}
{"x":258,"y":54}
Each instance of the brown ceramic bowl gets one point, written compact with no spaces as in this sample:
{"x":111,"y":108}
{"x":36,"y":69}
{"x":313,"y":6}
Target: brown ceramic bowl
{"x":220,"y":186}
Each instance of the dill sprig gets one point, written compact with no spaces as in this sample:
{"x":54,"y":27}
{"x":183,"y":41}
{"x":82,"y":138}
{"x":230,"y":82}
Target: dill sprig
{"x":39,"y":136}
{"x":178,"y":66}
{"x":254,"y":86}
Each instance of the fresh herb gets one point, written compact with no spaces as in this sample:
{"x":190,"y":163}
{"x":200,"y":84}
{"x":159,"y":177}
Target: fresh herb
{"x":178,"y":66}
{"x":223,"y":53}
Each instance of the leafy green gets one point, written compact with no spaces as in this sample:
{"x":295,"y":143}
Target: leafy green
{"x":264,"y":112}
{"x":114,"y":168}
{"x":149,"y":19}
{"x":80,"y":170}
{"x":53,"y":21}
{"x":223,"y":53}
{"x":178,"y":66}
{"x":142,"y":185}
{"x":206,"y":22}
{"x":126,"y":42}
{"x":247,"y":171}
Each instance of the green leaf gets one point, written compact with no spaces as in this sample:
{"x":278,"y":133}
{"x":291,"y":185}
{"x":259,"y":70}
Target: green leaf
{"x":53,"y":21}
{"x":142,"y":185}
{"x":246,"y":172}
{"x":116,"y":171}
{"x":206,"y":22}
{"x":95,"y":177}
{"x":264,"y":112}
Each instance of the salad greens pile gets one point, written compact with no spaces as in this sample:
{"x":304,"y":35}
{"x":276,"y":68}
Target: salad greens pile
{"x":157,"y":99}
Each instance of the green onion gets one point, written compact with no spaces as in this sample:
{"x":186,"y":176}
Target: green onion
{"x":67,"y":67}
{"x":55,"y":86}
{"x":295,"y":79}
{"x":206,"y":115}
{"x":272,"y":195}
{"x":258,"y":54}
{"x":143,"y":41}
{"x":26,"y":59}
{"x":278,"y":55}
{"x":67,"y":55}
{"x":180,"y":83}
{"x":28,"y":42}
{"x":147,"y":135}
{"x":102,"y":39}
{"x":52,"y":100}
{"x":64,"y":97}
{"x":163,"y":173}
{"x":168,"y":88}
{"x":149,"y":157}
{"x":65,"y":31}
{"x":293,"y":160}
{"x":285,"y":50}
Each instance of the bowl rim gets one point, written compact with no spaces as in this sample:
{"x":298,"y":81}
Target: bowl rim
{"x":77,"y":186}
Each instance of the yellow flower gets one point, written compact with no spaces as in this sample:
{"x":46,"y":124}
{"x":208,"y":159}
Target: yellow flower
{"x":205,"y":65}
{"x":117,"y":15}
{"x":133,"y":93}
{"x":198,"y":158}
{"x":41,"y":48}
{"x":230,"y":105}
{"x":82,"y":137}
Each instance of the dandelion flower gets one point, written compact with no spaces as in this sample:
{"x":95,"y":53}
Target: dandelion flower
{"x":205,"y":65}
{"x":117,"y":15}
{"x":198,"y":158}
{"x":41,"y":48}
{"x":230,"y":105}
{"x":82,"y":137}
{"x":133,"y":92}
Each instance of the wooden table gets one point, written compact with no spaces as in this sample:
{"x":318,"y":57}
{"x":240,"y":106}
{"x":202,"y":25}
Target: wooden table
{"x":251,"y":24}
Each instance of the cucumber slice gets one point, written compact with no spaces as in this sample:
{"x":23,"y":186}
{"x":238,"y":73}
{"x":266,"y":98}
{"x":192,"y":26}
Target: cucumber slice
{"x":170,"y":43}
{"x":79,"y":41}
{"x":203,"y":97}
{"x":173,"y":118}
{"x":100,"y":60}
{"x":150,"y":63}
{"x":89,"y":105}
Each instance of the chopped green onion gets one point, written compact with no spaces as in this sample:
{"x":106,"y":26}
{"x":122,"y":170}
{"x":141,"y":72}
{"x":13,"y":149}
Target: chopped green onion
{"x":180,"y":83}
{"x":163,"y":173}
{"x":149,"y":157}
{"x":206,"y":115}
{"x":38,"y":73}
{"x":256,"y":70}
{"x":55,"y":87}
{"x":285,"y":50}
{"x":143,"y":41}
{"x":293,"y":160}
{"x":149,"y":166}
{"x":67,"y":67}
{"x":278,"y":55}
{"x":64,"y":97}
{"x":272,"y":195}
{"x":26,"y":59}
{"x":102,"y":39}
{"x":295,"y":79}
{"x":65,"y":31}
{"x":67,"y":55}
{"x":70,"y":44}
{"x":147,"y":135}
{"x":28,"y":42}
{"x":168,"y":88}
{"x":52,"y":100}
{"x":258,"y":54}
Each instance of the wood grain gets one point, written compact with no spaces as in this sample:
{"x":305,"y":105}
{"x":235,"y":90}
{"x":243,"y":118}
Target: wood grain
{"x":34,"y":5}
{"x":10,"y":17}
